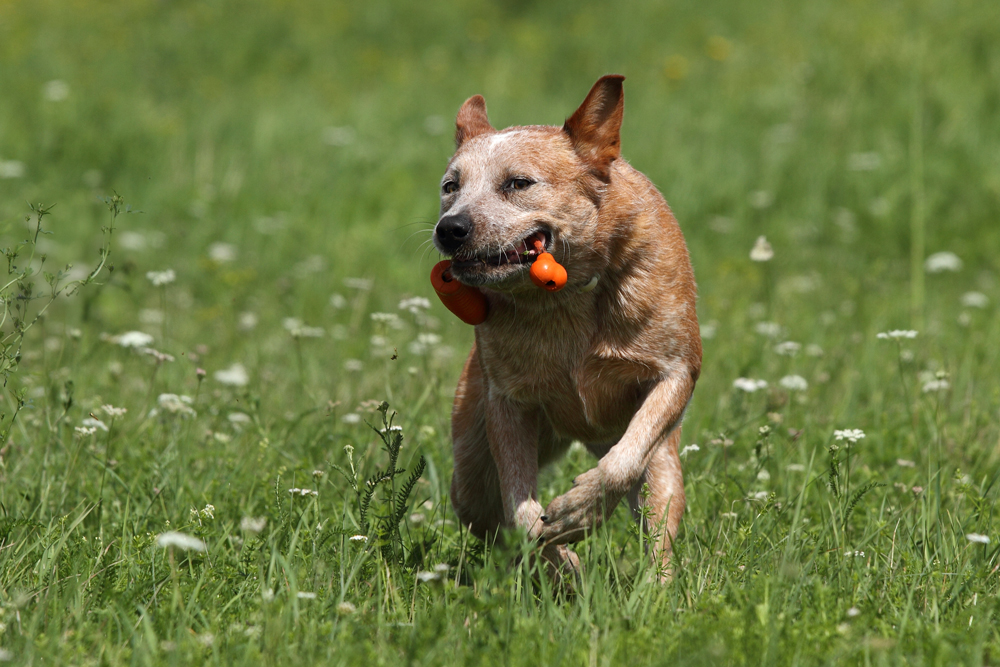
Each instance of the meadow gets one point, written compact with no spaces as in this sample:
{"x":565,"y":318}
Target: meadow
{"x":220,"y":342}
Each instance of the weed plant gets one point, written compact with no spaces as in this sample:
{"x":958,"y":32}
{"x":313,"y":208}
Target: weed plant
{"x":233,"y":448}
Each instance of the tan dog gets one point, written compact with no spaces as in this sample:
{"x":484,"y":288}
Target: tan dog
{"x":611,"y":360}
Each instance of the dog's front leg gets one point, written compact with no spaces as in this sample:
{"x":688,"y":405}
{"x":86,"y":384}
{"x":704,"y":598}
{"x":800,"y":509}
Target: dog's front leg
{"x":596,"y":492}
{"x":512,"y":430}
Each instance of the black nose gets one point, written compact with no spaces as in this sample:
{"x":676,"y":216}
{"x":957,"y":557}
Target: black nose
{"x":452,"y":231}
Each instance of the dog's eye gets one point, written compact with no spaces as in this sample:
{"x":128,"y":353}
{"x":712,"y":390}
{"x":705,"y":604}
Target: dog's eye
{"x":519,"y":184}
{"x":449,"y":187}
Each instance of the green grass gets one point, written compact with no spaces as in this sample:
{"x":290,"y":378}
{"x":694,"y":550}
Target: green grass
{"x":841,"y":131}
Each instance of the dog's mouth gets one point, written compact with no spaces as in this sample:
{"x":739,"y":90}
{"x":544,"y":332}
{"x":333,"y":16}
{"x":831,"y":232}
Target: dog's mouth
{"x":523,"y":252}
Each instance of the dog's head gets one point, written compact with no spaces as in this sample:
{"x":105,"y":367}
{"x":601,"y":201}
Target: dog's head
{"x":503,"y":190}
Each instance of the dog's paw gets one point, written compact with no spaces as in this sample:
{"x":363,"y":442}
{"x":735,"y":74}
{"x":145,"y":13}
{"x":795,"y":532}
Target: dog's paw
{"x":569,"y":516}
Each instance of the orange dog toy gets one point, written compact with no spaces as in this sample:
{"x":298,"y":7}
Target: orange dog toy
{"x":546,"y":272}
{"x":467,"y":303}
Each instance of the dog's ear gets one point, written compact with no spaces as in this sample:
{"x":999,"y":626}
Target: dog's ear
{"x":594,"y":127}
{"x":472,"y":120}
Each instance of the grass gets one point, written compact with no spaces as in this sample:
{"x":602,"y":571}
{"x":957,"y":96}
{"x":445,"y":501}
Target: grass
{"x":282,"y":160}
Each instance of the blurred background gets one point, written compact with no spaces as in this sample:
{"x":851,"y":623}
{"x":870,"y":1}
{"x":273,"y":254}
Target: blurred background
{"x":281,"y":161}
{"x":275,"y":149}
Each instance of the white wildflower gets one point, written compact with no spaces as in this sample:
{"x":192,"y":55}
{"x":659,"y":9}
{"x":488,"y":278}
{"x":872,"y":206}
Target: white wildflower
{"x":246,"y":321}
{"x":788,"y":349}
{"x":253,"y":524}
{"x":764,"y":476}
{"x":814,"y":350}
{"x":91,"y":422}
{"x":768,"y":329}
{"x":425,"y":577}
{"x":690,"y":448}
{"x":354,"y":365}
{"x":897,"y":334}
{"x":761,"y":251}
{"x":729,"y":515}
{"x":160,"y":357}
{"x":415,"y":304}
{"x":749,"y":385}
{"x":424,"y":343}
{"x":239,"y":418}
{"x":112,"y":411}
{"x":130,"y":240}
{"x":56,"y":90}
{"x":303,"y":595}
{"x":85,"y":430}
{"x":176,"y":404}
{"x":303,"y":492}
{"x":943,"y":261}
{"x":417,"y":518}
{"x":358,"y":538}
{"x":362,"y":284}
{"x":181,"y":541}
{"x":975,"y":300}
{"x":795,"y":467}
{"x":160,"y":278}
{"x":11,"y":169}
{"x":855,"y":554}
{"x":939,"y":384}
{"x":208,"y":512}
{"x":759,"y":495}
{"x":853,"y":611}
{"x":135,"y":339}
{"x":5,"y":655}
{"x":345,"y":608}
{"x":309,"y":332}
{"x":442,"y":568}
{"x":851,"y":435}
{"x":351,"y":418}
{"x":222,"y":252}
{"x":794,"y":383}
{"x":905,"y":463}
{"x":761,"y":199}
{"x":338,"y":301}
{"x":708,"y":330}
{"x":234,"y":376}
{"x":384,"y":318}
{"x":977,"y":538}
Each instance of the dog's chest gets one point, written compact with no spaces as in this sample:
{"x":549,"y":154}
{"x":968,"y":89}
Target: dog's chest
{"x":559,"y":366}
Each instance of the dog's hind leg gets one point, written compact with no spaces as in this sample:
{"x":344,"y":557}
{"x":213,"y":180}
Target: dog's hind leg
{"x":662,"y":503}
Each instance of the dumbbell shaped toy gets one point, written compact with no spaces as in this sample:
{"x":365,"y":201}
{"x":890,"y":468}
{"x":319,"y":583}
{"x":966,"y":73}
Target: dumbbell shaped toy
{"x":469,"y":304}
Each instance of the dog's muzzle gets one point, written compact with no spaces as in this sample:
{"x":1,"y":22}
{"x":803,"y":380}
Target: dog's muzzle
{"x":452,"y":231}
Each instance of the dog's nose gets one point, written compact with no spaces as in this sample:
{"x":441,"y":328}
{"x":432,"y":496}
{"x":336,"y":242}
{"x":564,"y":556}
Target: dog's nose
{"x":452,"y":231}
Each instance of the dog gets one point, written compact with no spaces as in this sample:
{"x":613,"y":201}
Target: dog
{"x":610,"y":361}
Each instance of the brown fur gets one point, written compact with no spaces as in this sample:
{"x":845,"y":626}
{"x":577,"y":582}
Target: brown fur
{"x":613,"y":367}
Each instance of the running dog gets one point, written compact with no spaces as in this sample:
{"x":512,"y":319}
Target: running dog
{"x":610,"y":361}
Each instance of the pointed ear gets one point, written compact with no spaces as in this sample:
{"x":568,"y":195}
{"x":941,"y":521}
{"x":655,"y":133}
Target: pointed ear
{"x":594,"y":127}
{"x":472,"y":120}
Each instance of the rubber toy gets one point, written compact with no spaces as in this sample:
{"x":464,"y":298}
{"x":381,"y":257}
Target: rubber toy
{"x":467,"y":303}
{"x":546,"y":272}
